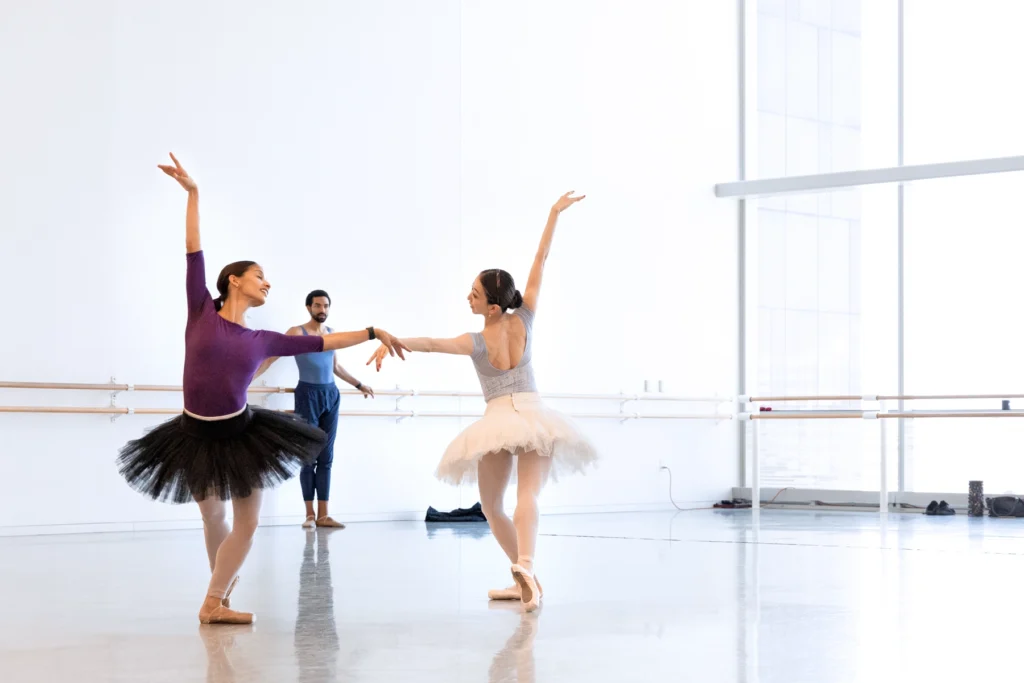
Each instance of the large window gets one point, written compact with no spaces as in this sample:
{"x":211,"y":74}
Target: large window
{"x":826,"y":325}
{"x":964,"y":240}
{"x":822,"y":107}
{"x":829,"y":311}
{"x":826,"y":87}
{"x":962,"y":79}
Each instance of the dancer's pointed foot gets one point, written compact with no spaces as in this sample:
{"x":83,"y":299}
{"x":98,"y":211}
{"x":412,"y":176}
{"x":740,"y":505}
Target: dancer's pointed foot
{"x":513,"y":592}
{"x":528,"y":587}
{"x":214,"y":612}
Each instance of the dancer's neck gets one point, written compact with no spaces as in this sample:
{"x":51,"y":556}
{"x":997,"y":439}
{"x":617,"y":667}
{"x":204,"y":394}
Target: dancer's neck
{"x":234,"y":311}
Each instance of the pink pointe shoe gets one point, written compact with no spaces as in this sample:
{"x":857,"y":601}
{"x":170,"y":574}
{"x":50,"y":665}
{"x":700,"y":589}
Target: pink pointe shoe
{"x":213,"y":611}
{"x":528,"y":587}
{"x":513,"y":592}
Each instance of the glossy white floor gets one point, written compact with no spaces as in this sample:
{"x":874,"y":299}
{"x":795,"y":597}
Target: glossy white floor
{"x":708,"y":596}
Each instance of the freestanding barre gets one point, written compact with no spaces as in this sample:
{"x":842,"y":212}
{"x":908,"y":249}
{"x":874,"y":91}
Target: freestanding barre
{"x":883,"y":481}
{"x":881,"y":416}
{"x":880,"y":397}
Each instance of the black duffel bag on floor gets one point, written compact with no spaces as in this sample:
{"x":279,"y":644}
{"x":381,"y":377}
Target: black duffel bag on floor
{"x":1005,"y":506}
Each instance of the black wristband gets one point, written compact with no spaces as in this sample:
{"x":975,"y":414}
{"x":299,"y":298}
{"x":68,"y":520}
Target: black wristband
{"x":359,"y":386}
{"x":373,"y":335}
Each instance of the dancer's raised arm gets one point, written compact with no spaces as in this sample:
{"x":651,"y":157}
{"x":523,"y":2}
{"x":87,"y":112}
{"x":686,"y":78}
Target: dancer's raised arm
{"x":192,"y":241}
{"x":537,"y":271}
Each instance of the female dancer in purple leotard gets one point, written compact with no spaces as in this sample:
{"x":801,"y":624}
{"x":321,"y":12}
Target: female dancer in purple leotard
{"x":220,"y":448}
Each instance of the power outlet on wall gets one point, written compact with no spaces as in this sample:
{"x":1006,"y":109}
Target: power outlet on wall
{"x":654,"y":386}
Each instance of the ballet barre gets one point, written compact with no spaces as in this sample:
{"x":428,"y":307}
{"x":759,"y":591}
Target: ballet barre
{"x":395,"y":393}
{"x":882,"y":416}
{"x":117,"y":411}
{"x":874,"y":398}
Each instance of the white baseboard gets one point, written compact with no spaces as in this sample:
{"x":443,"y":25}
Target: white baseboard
{"x":57,"y":529}
{"x":835,"y":498}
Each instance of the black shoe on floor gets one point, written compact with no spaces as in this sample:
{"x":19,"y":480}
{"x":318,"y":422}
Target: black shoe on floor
{"x":944,"y":509}
{"x":933,"y":508}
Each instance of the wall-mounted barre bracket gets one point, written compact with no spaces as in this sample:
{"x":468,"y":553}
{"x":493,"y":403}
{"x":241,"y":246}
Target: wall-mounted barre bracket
{"x":398,"y":399}
{"x":627,"y":398}
{"x":115,"y":392}
{"x":127,"y":411}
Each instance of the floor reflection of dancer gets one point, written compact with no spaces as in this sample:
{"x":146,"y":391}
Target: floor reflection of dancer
{"x":515,"y":661}
{"x":517,"y":428}
{"x":220,"y":448}
{"x":219,"y":642}
{"x":316,"y":634}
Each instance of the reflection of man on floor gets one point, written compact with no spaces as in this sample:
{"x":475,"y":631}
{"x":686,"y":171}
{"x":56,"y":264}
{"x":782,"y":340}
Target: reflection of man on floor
{"x":316,"y":635}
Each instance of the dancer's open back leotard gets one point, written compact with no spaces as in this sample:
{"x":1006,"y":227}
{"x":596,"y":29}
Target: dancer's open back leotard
{"x":517,"y":380}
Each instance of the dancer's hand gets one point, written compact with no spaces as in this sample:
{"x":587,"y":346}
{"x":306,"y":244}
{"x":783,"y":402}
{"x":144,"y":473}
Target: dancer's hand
{"x":367,"y":391}
{"x":393,"y":344}
{"x":179,"y":174}
{"x":378,"y":356}
{"x":565,"y":201}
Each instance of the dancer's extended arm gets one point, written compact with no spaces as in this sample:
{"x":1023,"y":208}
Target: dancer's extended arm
{"x":459,"y":346}
{"x":192,"y":241}
{"x":537,"y":271}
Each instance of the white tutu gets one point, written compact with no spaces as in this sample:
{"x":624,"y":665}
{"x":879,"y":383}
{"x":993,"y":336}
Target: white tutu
{"x":517,"y":423}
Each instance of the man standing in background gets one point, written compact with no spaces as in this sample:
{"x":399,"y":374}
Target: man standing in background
{"x":317,"y":399}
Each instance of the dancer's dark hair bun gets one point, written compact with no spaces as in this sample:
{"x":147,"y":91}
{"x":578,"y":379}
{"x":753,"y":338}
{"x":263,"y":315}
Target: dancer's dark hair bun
{"x":500,"y":289}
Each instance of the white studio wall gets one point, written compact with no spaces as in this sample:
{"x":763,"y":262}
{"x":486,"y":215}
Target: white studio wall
{"x":386,"y":152}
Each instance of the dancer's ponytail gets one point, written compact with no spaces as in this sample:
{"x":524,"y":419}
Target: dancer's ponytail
{"x":237,"y":269}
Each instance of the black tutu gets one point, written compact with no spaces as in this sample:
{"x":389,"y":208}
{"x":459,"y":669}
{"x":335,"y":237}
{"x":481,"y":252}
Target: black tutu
{"x":185,"y":458}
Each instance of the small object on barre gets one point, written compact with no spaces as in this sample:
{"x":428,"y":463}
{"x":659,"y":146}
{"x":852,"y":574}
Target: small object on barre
{"x":1006,"y":404}
{"x":765,"y":409}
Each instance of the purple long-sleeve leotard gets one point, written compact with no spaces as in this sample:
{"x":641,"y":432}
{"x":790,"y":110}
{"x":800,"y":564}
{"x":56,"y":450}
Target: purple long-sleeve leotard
{"x":222,"y":357}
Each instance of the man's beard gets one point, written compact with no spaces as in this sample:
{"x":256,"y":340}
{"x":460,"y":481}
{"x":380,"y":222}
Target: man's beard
{"x":320,"y":317}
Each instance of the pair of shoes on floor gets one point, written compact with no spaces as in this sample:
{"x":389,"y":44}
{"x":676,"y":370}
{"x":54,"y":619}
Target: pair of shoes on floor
{"x":516,"y":591}
{"x":734,"y":504}
{"x":939,"y":509}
